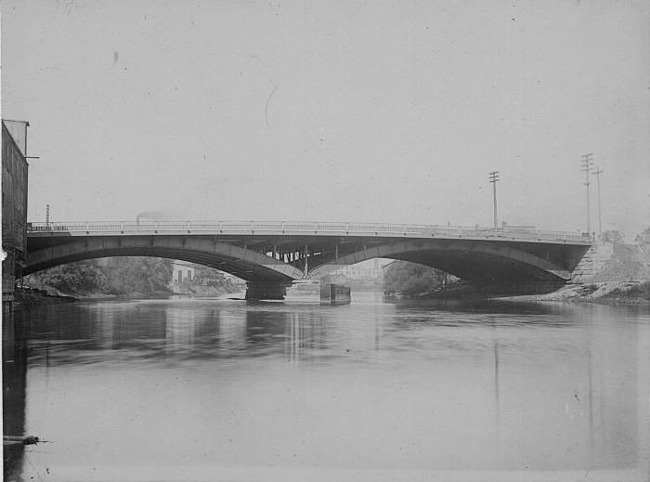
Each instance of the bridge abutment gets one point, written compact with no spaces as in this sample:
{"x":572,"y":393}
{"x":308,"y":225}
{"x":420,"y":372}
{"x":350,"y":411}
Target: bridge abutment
{"x":266,"y":290}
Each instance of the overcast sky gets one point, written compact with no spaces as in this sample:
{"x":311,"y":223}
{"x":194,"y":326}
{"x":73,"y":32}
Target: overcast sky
{"x":371,"y":111}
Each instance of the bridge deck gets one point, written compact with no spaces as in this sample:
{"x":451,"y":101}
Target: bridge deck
{"x":281,"y":228}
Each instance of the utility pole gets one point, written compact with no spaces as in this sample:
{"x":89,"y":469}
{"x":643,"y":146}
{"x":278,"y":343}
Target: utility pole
{"x":587,"y":164}
{"x":47,"y":216}
{"x":600,"y":219}
{"x":494,"y":177}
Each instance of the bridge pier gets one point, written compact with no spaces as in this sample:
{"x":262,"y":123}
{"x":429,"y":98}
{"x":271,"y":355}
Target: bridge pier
{"x":333,"y":294}
{"x":266,"y":290}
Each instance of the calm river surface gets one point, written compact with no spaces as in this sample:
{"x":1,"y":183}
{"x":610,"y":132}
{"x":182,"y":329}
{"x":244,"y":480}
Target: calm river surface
{"x":229,"y":390}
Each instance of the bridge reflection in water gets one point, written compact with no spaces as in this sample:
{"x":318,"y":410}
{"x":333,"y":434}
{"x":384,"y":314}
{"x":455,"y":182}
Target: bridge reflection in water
{"x":271,"y":256}
{"x":300,"y":387}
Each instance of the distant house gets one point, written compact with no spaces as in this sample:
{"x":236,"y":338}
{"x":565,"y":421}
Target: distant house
{"x":188,"y":278}
{"x":182,"y":271}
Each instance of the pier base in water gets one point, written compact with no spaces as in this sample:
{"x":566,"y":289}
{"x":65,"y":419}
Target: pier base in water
{"x":333,"y":294}
{"x":265,"y":290}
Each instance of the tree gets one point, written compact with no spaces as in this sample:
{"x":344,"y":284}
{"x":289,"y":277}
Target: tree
{"x":119,"y":276}
{"x":412,"y":279}
{"x":143,"y":275}
{"x":613,"y":236}
{"x":78,"y":277}
{"x":643,"y":237}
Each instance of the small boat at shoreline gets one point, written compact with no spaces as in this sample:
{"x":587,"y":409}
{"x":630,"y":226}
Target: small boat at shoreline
{"x":17,"y":440}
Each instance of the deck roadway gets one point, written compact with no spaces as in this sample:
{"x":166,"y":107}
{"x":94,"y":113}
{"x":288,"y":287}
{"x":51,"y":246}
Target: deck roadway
{"x":272,"y":255}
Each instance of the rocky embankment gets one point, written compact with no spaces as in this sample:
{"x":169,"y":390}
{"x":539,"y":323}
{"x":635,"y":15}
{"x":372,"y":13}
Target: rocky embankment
{"x":629,"y":292}
{"x":618,"y":273}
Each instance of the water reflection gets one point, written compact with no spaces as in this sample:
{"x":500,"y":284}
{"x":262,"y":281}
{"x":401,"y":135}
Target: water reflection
{"x":14,"y":376}
{"x":366,"y":386}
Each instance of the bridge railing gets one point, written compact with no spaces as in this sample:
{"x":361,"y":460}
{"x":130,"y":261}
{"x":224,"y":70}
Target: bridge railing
{"x":304,"y":228}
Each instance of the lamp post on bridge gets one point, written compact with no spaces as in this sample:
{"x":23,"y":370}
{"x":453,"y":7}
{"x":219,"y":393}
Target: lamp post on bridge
{"x":494,"y":177}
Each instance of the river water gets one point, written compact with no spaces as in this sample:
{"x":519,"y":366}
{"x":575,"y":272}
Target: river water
{"x":192,"y":389}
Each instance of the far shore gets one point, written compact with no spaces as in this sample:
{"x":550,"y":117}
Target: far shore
{"x":604,"y":292}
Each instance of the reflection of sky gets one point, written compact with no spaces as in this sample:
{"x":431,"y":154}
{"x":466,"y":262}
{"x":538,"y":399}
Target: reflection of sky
{"x":369,"y":386}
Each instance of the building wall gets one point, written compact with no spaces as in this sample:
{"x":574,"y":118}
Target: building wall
{"x":182,"y":271}
{"x":14,"y":211}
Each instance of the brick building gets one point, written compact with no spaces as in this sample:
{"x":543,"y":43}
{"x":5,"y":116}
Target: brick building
{"x":14,"y":204}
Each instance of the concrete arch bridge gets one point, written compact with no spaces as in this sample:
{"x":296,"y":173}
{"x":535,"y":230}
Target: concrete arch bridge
{"x":270,"y":256}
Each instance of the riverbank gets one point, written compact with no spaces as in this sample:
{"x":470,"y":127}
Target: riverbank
{"x":205,"y":291}
{"x":28,"y":297}
{"x":25,"y":298}
{"x":603,"y":292}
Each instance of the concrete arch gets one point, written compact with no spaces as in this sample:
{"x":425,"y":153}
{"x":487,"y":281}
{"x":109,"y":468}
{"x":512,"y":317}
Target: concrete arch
{"x":475,"y":261}
{"x":243,"y":263}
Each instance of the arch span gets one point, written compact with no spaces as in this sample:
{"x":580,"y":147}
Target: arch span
{"x":241,"y":262}
{"x":481,"y":262}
